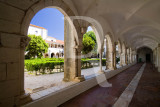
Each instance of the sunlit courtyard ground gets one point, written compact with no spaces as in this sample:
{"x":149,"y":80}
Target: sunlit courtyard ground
{"x":45,"y":84}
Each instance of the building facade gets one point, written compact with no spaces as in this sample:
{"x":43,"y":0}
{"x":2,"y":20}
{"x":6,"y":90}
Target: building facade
{"x":56,"y":47}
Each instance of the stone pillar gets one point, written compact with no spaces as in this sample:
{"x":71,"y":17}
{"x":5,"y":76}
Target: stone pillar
{"x":100,"y":61}
{"x":70,"y":52}
{"x":109,"y":57}
{"x":114,"y":58}
{"x":128,"y":54}
{"x":79,"y":77}
{"x":126,"y":58}
{"x":110,"y":60}
{"x":121,"y":59}
{"x":24,"y":97}
{"x":154,"y":57}
{"x":158,"y":57}
{"x":12,"y":70}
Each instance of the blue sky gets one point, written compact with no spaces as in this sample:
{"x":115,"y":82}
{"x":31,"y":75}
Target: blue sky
{"x":53,"y":20}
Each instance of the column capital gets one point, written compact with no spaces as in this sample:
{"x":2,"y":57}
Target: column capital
{"x":83,"y":30}
{"x":78,"y":48}
{"x":24,"y":41}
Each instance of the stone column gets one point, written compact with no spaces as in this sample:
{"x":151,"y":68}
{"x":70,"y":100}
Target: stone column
{"x":12,"y":69}
{"x":109,"y":57}
{"x":132,"y":57}
{"x":114,"y":58}
{"x":126,"y":58}
{"x":121,"y":59}
{"x":24,"y":97}
{"x":154,"y":57}
{"x":100,"y":61}
{"x":70,"y":52}
{"x":110,"y":60}
{"x":158,"y":57}
{"x":79,"y":77}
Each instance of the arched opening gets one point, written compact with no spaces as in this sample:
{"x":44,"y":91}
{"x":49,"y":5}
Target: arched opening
{"x":89,"y":43}
{"x":145,"y":54}
{"x":57,"y":55}
{"x":52,"y":55}
{"x":119,"y":53}
{"x":90,"y":55}
{"x":50,"y":66}
{"x":124,"y":54}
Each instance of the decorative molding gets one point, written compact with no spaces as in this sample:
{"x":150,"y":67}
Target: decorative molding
{"x":24,"y":42}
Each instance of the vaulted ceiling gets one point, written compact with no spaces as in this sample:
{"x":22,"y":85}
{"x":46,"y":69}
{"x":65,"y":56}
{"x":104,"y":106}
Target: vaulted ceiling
{"x":137,"y":22}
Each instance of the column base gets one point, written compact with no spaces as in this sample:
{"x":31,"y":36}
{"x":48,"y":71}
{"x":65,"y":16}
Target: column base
{"x":158,"y":69}
{"x":79,"y":79}
{"x":121,"y":65}
{"x":65,"y":80}
{"x":23,"y":99}
{"x":112,"y":68}
{"x":101,"y":72}
{"x":115,"y":68}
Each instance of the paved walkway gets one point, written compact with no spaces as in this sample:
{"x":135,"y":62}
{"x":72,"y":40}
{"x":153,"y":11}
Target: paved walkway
{"x":105,"y":96}
{"x":147,"y":93}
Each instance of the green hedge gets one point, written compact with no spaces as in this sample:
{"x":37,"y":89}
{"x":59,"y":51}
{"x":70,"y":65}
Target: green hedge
{"x":48,"y":64}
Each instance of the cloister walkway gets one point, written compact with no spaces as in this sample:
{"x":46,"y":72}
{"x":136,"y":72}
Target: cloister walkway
{"x":53,"y":82}
{"x":147,"y":93}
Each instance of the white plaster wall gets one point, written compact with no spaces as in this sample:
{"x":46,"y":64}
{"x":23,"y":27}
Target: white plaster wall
{"x":50,"y":39}
{"x":37,"y":31}
{"x":55,"y":50}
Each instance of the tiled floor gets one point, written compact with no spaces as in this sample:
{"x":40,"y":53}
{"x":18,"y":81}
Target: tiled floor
{"x":104,"y":96}
{"x":147,"y":93}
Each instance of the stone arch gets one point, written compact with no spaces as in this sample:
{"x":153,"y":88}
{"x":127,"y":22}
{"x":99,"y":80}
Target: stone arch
{"x":57,"y":55}
{"x":71,"y":33}
{"x":52,"y":55}
{"x":58,"y":4}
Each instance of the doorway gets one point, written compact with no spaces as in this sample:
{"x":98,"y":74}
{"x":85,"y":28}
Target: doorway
{"x":148,"y":57}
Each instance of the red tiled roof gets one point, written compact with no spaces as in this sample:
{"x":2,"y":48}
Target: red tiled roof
{"x":36,"y":26}
{"x":60,"y":41}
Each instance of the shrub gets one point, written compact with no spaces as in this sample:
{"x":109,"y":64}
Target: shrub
{"x":48,"y":64}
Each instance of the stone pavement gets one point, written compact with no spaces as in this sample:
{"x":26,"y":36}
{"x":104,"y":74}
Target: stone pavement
{"x":147,"y":93}
{"x":105,"y":96}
